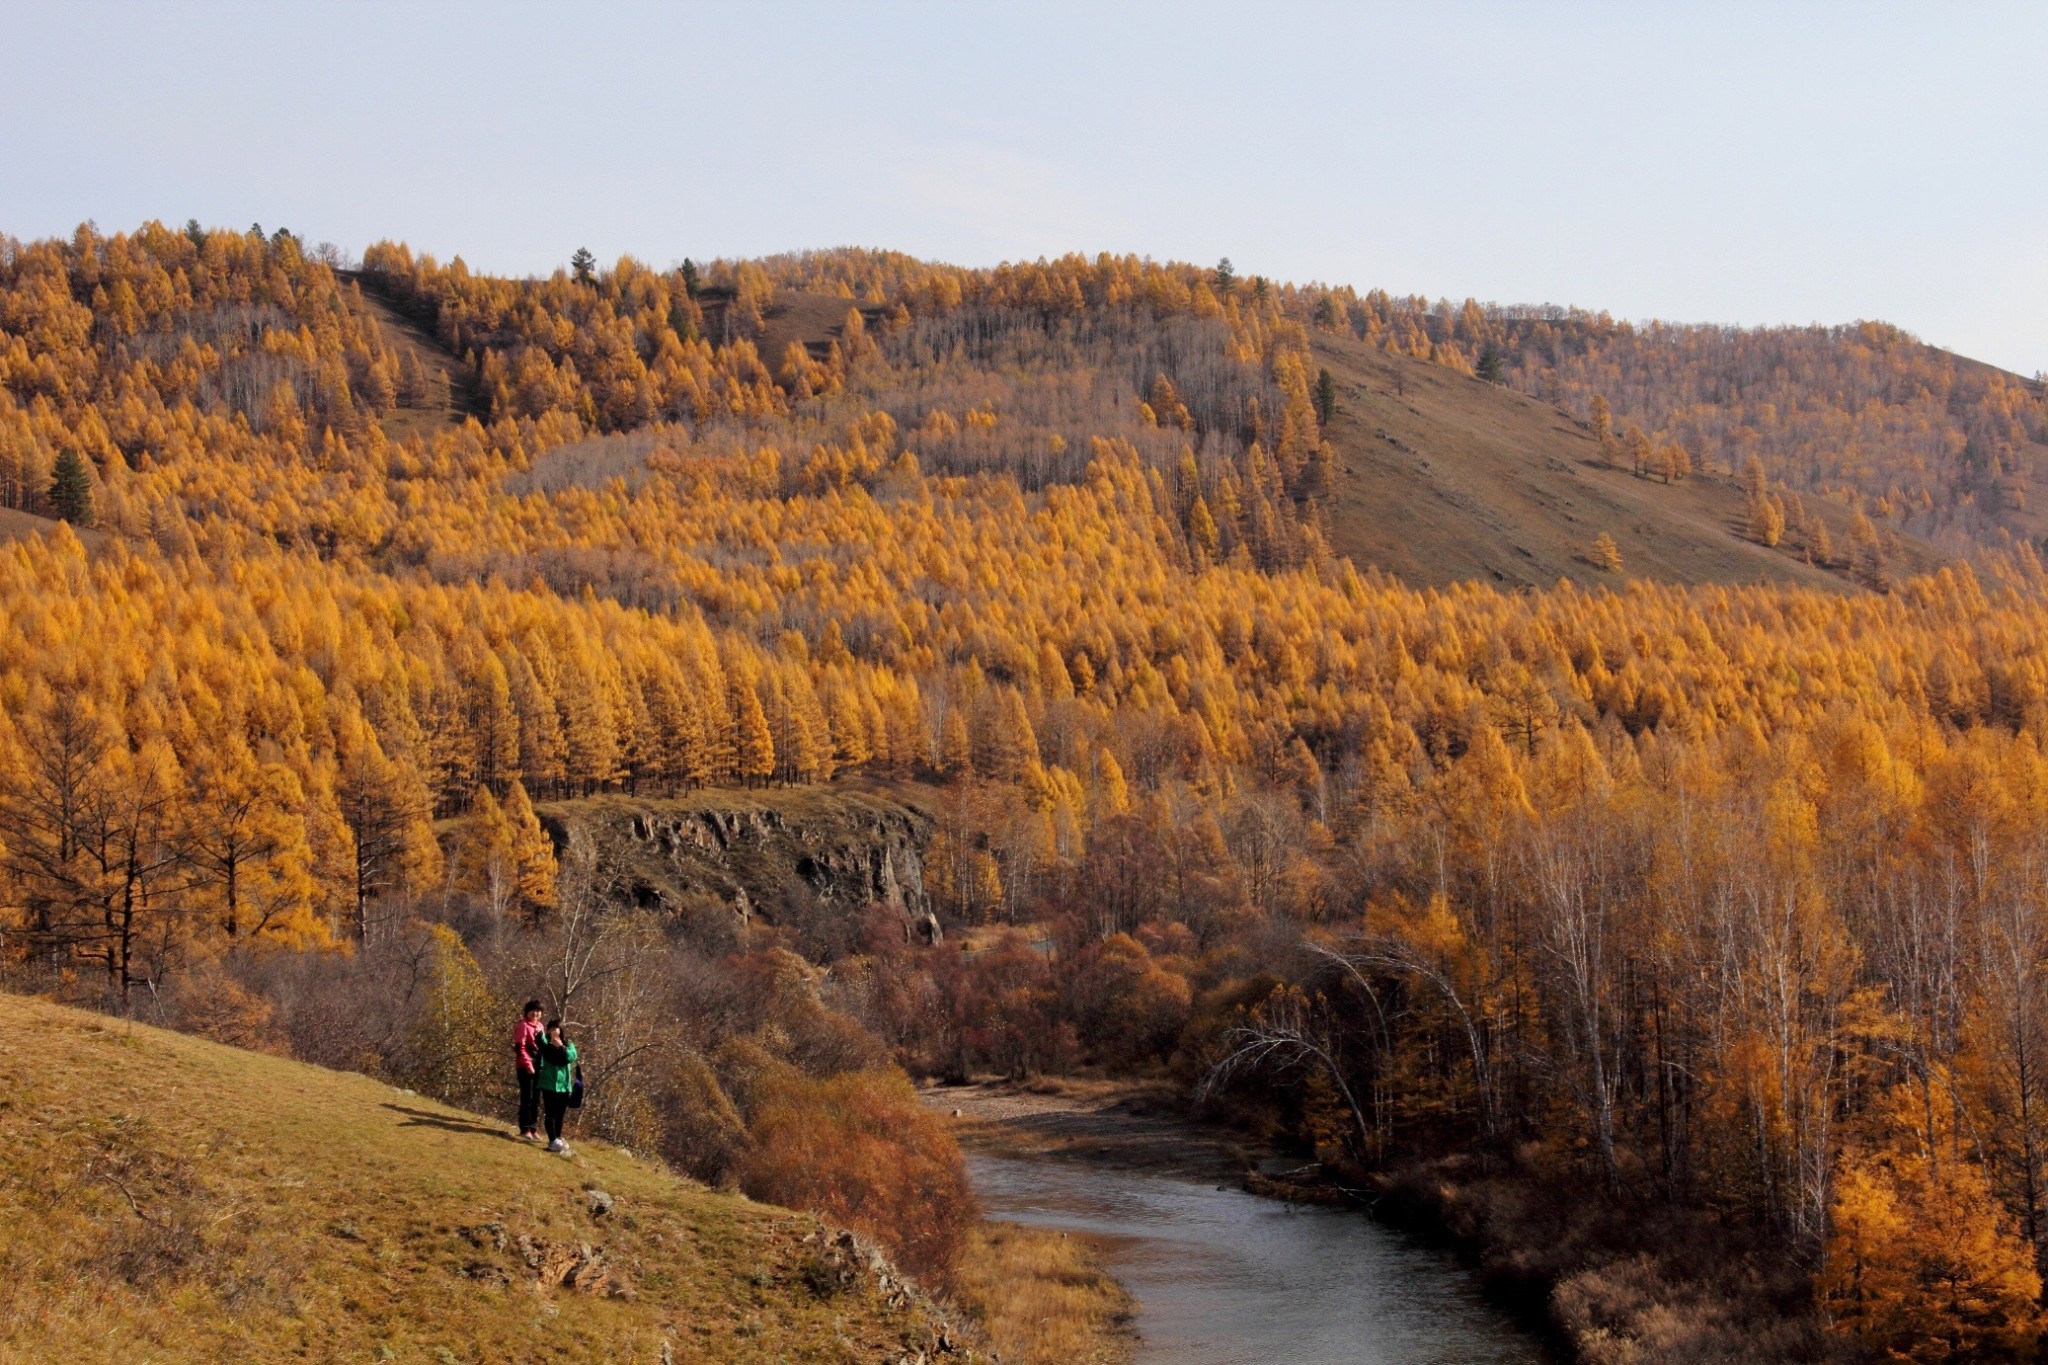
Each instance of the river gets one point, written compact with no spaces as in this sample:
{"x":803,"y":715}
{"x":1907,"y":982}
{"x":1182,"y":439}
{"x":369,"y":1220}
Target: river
{"x":1227,"y":1278}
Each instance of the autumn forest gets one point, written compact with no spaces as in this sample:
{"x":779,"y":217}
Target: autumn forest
{"x":1696,"y":932}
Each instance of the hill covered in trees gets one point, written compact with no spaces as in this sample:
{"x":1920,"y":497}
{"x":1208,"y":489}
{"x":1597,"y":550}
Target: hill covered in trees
{"x":1702,"y":887}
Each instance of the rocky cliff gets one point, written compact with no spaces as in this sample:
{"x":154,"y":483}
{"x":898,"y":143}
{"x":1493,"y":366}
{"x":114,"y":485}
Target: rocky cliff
{"x":765,"y":855}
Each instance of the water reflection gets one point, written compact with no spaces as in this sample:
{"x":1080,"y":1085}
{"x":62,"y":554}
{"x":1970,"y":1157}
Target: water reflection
{"x":1225,"y":1278}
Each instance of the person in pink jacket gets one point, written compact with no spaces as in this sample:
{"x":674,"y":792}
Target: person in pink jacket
{"x":526,"y":1041}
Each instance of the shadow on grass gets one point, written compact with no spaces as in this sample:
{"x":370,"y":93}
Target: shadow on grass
{"x":424,"y":1118}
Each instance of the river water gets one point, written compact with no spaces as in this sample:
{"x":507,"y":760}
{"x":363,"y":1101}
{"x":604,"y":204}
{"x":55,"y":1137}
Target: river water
{"x":1226,"y":1278}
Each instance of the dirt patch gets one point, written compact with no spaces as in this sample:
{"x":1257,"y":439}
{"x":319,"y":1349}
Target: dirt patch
{"x":811,"y":320}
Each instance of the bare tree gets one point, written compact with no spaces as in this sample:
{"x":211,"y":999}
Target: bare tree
{"x":1286,"y":1035}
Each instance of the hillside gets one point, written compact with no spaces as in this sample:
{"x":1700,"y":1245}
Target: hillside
{"x":1441,"y":477}
{"x":14,"y":525}
{"x":167,"y":1198}
{"x":434,"y":391}
{"x":1049,"y":542}
{"x":813,"y":321}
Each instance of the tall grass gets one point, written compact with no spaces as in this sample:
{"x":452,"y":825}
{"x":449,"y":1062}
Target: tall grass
{"x":1042,"y":1298}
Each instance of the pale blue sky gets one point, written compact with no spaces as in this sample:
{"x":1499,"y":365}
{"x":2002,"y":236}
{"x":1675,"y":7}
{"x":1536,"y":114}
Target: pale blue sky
{"x":1724,"y":162}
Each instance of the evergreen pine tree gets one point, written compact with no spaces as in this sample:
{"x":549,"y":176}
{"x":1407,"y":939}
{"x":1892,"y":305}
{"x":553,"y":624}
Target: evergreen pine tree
{"x":1489,"y":367}
{"x":71,"y":489}
{"x":1326,"y":397}
{"x":584,"y":265}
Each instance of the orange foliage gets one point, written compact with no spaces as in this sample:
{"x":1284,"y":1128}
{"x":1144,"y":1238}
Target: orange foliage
{"x":1706,"y":869}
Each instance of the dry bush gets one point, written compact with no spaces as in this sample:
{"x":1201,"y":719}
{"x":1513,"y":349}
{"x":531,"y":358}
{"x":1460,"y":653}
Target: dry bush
{"x":1130,"y":1009}
{"x":213,"y":1004}
{"x":352,"y":1012}
{"x":779,"y":989}
{"x":1625,"y":1283}
{"x":1637,"y":1311}
{"x":706,"y":1133}
{"x":859,"y":1150}
{"x":454,"y":1051}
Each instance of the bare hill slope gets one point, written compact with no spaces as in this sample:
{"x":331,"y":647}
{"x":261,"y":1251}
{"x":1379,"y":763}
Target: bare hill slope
{"x":14,"y":525}
{"x":811,"y":319}
{"x":1441,"y":477}
{"x":445,"y":393}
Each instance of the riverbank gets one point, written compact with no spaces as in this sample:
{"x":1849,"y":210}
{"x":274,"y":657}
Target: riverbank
{"x":1603,"y":1281}
{"x":1043,"y":1296}
{"x":1227,"y":1264}
{"x":1134,"y":1124}
{"x":1046,"y":1296}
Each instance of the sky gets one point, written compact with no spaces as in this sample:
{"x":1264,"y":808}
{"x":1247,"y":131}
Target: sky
{"x":1725,"y":162}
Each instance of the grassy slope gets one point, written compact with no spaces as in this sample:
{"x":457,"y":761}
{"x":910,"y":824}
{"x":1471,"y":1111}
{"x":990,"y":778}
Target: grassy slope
{"x":1481,"y":482}
{"x":447,"y":400}
{"x":814,"y":320}
{"x":15,"y":525}
{"x":284,"y":1212}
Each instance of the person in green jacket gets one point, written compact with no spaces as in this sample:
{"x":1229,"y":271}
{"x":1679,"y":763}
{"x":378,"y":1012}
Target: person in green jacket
{"x":557,"y":1080}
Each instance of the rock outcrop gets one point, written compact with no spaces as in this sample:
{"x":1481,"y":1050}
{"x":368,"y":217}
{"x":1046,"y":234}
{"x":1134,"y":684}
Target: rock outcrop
{"x":759,"y":852}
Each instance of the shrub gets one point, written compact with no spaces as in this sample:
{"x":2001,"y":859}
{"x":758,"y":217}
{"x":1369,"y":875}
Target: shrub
{"x":858,"y":1149}
{"x":706,"y":1133}
{"x":1130,"y":1009}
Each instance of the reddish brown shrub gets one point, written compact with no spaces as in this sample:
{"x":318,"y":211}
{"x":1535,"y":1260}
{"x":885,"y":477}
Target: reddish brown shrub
{"x":1129,"y":1008}
{"x":859,"y":1150}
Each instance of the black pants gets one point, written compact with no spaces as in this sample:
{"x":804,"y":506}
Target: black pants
{"x":556,"y":1103}
{"x":529,"y":1101}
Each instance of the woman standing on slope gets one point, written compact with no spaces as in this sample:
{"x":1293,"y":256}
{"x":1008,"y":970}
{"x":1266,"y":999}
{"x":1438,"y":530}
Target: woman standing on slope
{"x":526,"y":1040}
{"x":557,"y":1078}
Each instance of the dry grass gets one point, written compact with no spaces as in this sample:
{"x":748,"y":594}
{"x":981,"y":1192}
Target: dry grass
{"x":1044,"y":1298}
{"x":1441,"y":477}
{"x":164,"y":1198}
{"x":813,"y":321}
{"x":16,"y":525}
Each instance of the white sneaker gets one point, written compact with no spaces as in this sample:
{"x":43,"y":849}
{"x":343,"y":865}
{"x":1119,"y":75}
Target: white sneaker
{"x":559,"y":1147}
